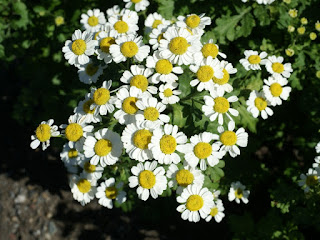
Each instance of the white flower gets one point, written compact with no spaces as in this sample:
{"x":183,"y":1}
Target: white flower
{"x":165,"y":142}
{"x":222,"y":84}
{"x":89,"y":73}
{"x":253,"y":60}
{"x":71,"y":158}
{"x":91,"y":171}
{"x":275,"y":66}
{"x":139,"y":5}
{"x":275,"y":89}
{"x":43,"y":133}
{"x":149,"y":178}
{"x":168,"y":94}
{"x":316,"y":163}
{"x":129,"y":46}
{"x":237,"y":192}
{"x":113,"y":11}
{"x":156,"y":35}
{"x":78,"y":50}
{"x":216,"y":212}
{"x":83,"y":189}
{"x":258,"y":105}
{"x":154,"y":20}
{"x":230,"y":140}
{"x":108,"y":191}
{"x":216,"y":106}
{"x":208,"y":49}
{"x":93,"y":20}
{"x":200,"y":149}
{"x":125,"y":23}
{"x":317,"y":147}
{"x":184,"y":176}
{"x":105,"y":40}
{"x":265,"y":2}
{"x":193,"y":21}
{"x":84,"y":108}
{"x":308,"y":180}
{"x":104,"y":147}
{"x":102,"y":101}
{"x":195,"y":202}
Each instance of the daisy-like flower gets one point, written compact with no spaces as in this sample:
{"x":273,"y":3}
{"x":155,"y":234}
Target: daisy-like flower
{"x":156,"y":35}
{"x":201,"y":150}
{"x":83,"y":189}
{"x":309,"y":180}
{"x":43,"y":133}
{"x":78,"y":50}
{"x":108,"y":191}
{"x":195,"y":202}
{"x":216,"y":106}
{"x":178,"y":46}
{"x":165,"y":143}
{"x":102,"y":101}
{"x":164,"y":70}
{"x":151,"y":111}
{"x":238,"y":192}
{"x":71,"y":157}
{"x":149,"y":178}
{"x":208,"y":49}
{"x":138,"y":76}
{"x":222,"y":84}
{"x":153,"y":21}
{"x":230,"y":140}
{"x":258,"y":105}
{"x":126,"y":103}
{"x":129,"y":46}
{"x":139,"y":5}
{"x":253,"y":60}
{"x":275,"y":89}
{"x":93,"y":20}
{"x":168,"y":94}
{"x":193,"y":21}
{"x":184,"y":176}
{"x":205,"y":71}
{"x":91,"y":171}
{"x":104,"y":147}
{"x":76,"y":131}
{"x":136,"y":138}
{"x":105,"y":40}
{"x":125,"y":23}
{"x":216,"y":212}
{"x":84,"y":108}
{"x":275,"y":66}
{"x":89,"y":73}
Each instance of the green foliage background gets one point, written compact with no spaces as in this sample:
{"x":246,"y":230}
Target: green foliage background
{"x":280,"y":148}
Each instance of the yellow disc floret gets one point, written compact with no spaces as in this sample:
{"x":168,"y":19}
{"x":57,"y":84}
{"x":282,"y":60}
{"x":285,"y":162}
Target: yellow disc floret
{"x":311,"y":180}
{"x":184,"y":177}
{"x":139,"y":81}
{"x":73,"y":132}
{"x":254,"y":59}
{"x":103,"y":147}
{"x":224,"y":79}
{"x":121,"y":26}
{"x":79,"y":46}
{"x":129,"y":105}
{"x":101,"y":96}
{"x":151,"y":113}
{"x":168,"y":92}
{"x":93,"y":21}
{"x":202,"y":150}
{"x":135,"y":1}
{"x":142,"y":138}
{"x":228,"y":138}
{"x":163,"y":66}
{"x":276,"y":89}
{"x":156,"y":23}
{"x":210,"y":49}
{"x":91,"y":69}
{"x":72,"y":153}
{"x":111,"y":192}
{"x":193,"y":21}
{"x":147,"y":179}
{"x":260,"y":103}
{"x":214,"y":211}
{"x":84,"y":185}
{"x":89,"y":168}
{"x":178,"y":45}
{"x":105,"y":44}
{"x":194,"y":203}
{"x":168,"y":144}
{"x":129,"y":49}
{"x":86,"y":107}
{"x":238,"y":193}
{"x":43,"y":132}
{"x":221,"y":105}
{"x":205,"y":73}
{"x":277,"y":67}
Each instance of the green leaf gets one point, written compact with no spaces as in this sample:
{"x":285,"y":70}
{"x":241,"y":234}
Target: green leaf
{"x":166,"y":8}
{"x":178,"y":118}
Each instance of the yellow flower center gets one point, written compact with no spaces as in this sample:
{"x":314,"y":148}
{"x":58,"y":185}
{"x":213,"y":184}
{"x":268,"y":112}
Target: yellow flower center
{"x":254,"y":59}
{"x":147,"y":179}
{"x":73,"y":132}
{"x":79,"y":46}
{"x":210,"y":49}
{"x":301,"y":30}
{"x":276,"y":89}
{"x":84,"y":185}
{"x":205,"y":73}
{"x":111,"y":192}
{"x":129,"y":105}
{"x":129,"y":49}
{"x":168,"y":92}
{"x":160,"y":37}
{"x":86,"y":107}
{"x":178,"y":45}
{"x":238,"y":193}
{"x":121,"y":26}
{"x":103,"y":147}
{"x":72,"y":153}
{"x":135,"y":1}
{"x":156,"y":23}
{"x":105,"y":44}
{"x":202,"y":150}
{"x":140,"y":82}
{"x":228,"y":138}
{"x":277,"y":67}
{"x":260,"y":103}
{"x":194,"y":203}
{"x":93,"y":21}
{"x":91,"y":69}
{"x":101,"y":96}
{"x":221,"y":105}
{"x":193,"y":21}
{"x":151,"y":113}
{"x":311,"y":180}
{"x":163,"y":66}
{"x":89,"y":168}
{"x":43,"y":132}
{"x":142,"y":138}
{"x":224,"y":79}
{"x":184,"y":177}
{"x":59,"y":20}
{"x":168,"y":144}
{"x":214,"y":211}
